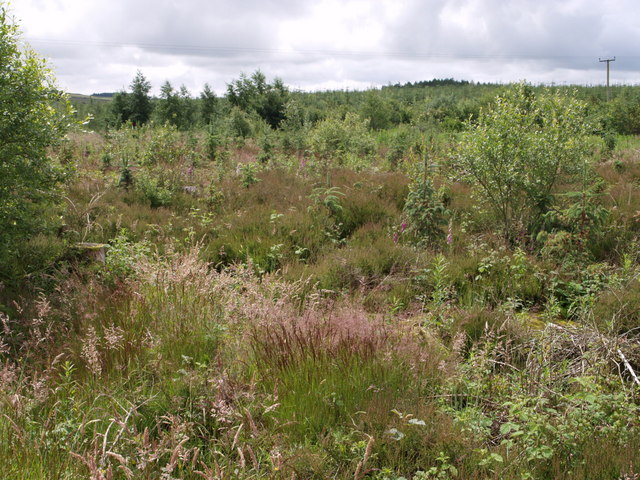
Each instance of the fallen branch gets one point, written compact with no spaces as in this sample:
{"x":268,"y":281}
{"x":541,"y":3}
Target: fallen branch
{"x":628,"y":367}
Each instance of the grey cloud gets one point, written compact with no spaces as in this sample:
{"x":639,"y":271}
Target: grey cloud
{"x":198,"y":41}
{"x":555,"y":34}
{"x":216,"y":25}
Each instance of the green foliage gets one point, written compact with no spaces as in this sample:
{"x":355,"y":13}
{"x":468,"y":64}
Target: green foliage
{"x":155,"y":187}
{"x":294,"y":126}
{"x":400,"y":142}
{"x":575,"y":228}
{"x":134,"y":107}
{"x":239,"y":124}
{"x":499,"y":278}
{"x":120,"y":108}
{"x":617,"y":308}
{"x":248,"y":174}
{"x":35,"y":115}
{"x":520,"y":148}
{"x":175,"y":107}
{"x":424,"y":211}
{"x":140,"y":102}
{"x":379,"y":111}
{"x":439,"y":281}
{"x":335,"y":138}
{"x":208,"y":105}
{"x":623,"y":115}
{"x":283,"y":331}
{"x":213,"y":143}
{"x":325,"y":371}
{"x":328,"y":198}
{"x":254,"y":94}
{"x":106,"y":159}
{"x":429,"y":106}
{"x":123,"y":255}
{"x":609,"y":140}
{"x":165,"y":147}
{"x":126,"y":175}
{"x":266,"y":147}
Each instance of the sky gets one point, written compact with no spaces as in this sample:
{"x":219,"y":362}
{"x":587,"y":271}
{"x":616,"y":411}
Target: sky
{"x":98,"y":46}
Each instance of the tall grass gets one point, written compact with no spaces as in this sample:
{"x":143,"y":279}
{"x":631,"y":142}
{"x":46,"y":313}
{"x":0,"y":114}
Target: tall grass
{"x":285,"y":328}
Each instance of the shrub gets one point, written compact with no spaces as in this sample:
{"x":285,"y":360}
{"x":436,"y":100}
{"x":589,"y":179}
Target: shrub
{"x":213,"y":142}
{"x":248,"y":174}
{"x":154,"y":189}
{"x":361,"y":266}
{"x":123,"y":255}
{"x":164,"y":147}
{"x":518,"y":150}
{"x":294,"y":126}
{"x":424,"y":211}
{"x":239,"y":125}
{"x":334,"y":137}
{"x":35,"y":116}
{"x":399,"y":145}
{"x":623,"y":114}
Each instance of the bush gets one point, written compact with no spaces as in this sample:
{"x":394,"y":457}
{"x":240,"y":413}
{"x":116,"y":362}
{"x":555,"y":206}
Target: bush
{"x":334,"y":137}
{"x":361,"y":266}
{"x":165,"y":146}
{"x":35,"y":116}
{"x":624,"y":112}
{"x":154,"y":189}
{"x":424,"y":211}
{"x":518,"y":150}
{"x":123,"y":255}
{"x":239,"y":124}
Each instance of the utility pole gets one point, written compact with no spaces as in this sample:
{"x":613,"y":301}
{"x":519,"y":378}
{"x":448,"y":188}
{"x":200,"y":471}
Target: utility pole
{"x":608,"y":60}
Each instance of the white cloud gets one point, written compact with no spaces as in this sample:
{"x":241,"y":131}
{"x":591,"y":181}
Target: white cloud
{"x":315,"y":44}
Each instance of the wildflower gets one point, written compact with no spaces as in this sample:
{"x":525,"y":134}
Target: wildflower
{"x":396,"y":235}
{"x":450,"y":234}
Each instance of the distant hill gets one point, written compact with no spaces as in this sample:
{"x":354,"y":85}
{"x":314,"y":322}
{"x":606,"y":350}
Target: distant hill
{"x":436,"y":82}
{"x":98,"y":97}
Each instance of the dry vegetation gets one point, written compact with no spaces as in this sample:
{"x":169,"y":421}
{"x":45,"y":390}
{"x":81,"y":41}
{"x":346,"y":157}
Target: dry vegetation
{"x":280,"y":319}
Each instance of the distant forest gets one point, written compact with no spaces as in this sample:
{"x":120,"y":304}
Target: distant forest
{"x":437,"y":105}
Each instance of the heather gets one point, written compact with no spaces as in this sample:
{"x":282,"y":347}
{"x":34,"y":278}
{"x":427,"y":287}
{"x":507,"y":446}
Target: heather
{"x":328,"y":286}
{"x":266,"y":324}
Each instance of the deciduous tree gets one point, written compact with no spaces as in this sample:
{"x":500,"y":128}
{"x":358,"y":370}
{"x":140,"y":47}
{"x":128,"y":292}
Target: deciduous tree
{"x":34,"y":114}
{"x":520,"y":148}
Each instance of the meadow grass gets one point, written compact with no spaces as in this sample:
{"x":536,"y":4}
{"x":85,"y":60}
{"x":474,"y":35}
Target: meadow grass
{"x":286,"y":328}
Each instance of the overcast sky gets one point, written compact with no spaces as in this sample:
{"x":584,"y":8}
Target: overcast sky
{"x":98,"y":45}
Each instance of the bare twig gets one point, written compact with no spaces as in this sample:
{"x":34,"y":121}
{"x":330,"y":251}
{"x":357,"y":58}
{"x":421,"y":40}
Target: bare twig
{"x":628,"y":366}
